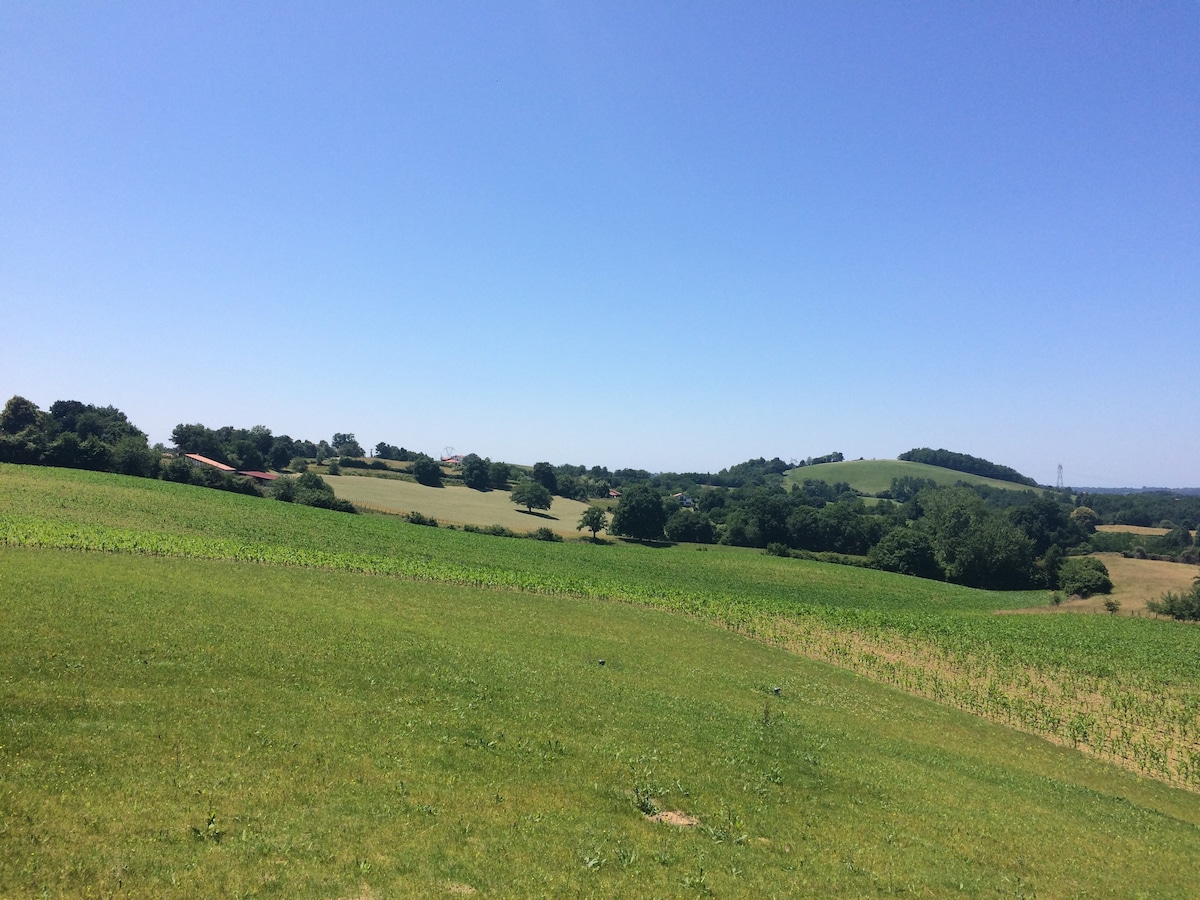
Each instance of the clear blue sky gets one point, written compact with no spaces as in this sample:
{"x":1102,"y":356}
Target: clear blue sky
{"x":661,"y":235}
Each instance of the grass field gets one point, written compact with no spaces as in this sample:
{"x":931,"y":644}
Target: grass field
{"x":206,"y":728}
{"x":874,"y":475}
{"x":455,"y":504}
{"x":359,"y":707}
{"x":1125,"y":689}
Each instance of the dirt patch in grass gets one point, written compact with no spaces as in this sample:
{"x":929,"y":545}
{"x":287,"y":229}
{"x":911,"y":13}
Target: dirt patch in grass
{"x":675,"y":817}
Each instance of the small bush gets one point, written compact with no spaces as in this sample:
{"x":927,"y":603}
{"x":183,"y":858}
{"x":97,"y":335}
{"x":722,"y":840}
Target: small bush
{"x":417,"y":518}
{"x":545,"y":534}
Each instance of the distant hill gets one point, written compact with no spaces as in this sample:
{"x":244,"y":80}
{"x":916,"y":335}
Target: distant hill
{"x":870,"y":476}
{"x":1184,"y":492}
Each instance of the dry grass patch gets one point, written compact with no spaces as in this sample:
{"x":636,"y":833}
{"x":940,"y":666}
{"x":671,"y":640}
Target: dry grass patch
{"x":455,"y":504}
{"x":1137,"y":580}
{"x":1133,"y":529}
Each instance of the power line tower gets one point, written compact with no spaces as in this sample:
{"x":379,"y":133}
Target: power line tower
{"x":1060,"y":481}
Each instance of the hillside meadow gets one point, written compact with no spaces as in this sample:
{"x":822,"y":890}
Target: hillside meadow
{"x":210,"y":694}
{"x":870,"y":476}
{"x":456,"y":504}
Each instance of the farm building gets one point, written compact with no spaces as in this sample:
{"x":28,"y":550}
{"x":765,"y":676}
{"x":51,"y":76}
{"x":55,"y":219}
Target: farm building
{"x":263,"y":478}
{"x":197,"y":460}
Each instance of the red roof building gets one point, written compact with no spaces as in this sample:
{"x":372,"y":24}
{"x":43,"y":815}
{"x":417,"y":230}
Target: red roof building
{"x":197,"y":460}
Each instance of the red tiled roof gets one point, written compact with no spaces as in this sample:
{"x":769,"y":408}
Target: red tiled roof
{"x":205,"y":461}
{"x":261,"y":476}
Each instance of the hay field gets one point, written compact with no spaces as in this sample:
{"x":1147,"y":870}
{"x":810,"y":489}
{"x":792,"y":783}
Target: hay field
{"x":1134,"y":582}
{"x":1133,"y":529}
{"x":456,"y":504}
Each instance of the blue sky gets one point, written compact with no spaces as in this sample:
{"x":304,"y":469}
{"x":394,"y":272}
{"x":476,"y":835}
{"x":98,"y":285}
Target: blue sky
{"x":660,"y":235}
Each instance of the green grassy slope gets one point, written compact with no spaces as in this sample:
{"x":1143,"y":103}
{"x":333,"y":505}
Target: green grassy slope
{"x":1124,"y":689}
{"x":874,"y":475}
{"x":183,"y":728}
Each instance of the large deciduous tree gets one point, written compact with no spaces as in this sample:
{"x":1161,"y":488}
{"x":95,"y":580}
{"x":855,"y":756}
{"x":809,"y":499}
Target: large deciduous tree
{"x":476,"y":472}
{"x":531,"y":494}
{"x":18,"y":415}
{"x":427,"y":471}
{"x":639,"y":514}
{"x":543,"y":474}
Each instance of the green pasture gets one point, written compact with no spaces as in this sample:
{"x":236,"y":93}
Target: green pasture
{"x":182,"y":728}
{"x":870,"y":476}
{"x":1126,"y":690}
{"x":456,"y":504}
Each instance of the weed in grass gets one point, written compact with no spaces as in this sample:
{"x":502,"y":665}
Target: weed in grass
{"x":697,"y":882}
{"x":210,"y":831}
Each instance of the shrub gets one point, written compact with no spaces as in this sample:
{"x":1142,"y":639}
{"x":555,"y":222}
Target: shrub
{"x":1185,"y":605}
{"x":1083,"y":576}
{"x":417,"y":518}
{"x":545,"y":534}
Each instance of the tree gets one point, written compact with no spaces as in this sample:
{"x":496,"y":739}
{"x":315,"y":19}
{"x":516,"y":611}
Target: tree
{"x":1178,"y":538}
{"x":907,"y":551}
{"x":346,"y":445}
{"x":427,"y":471}
{"x":476,"y":472}
{"x":543,"y":474}
{"x":1083,"y":576}
{"x":594,"y":520}
{"x":640,"y":514}
{"x":498,"y":475}
{"x":690,"y":526}
{"x":18,"y":415}
{"x":973,"y":546}
{"x":531,"y":494}
{"x":1086,"y":518}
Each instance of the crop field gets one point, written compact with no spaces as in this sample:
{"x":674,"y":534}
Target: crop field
{"x":874,"y":475}
{"x":455,"y":504}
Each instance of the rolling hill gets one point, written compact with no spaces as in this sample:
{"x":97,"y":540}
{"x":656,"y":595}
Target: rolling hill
{"x":208,"y":694}
{"x":870,"y":476}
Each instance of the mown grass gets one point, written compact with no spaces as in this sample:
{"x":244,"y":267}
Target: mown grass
{"x":176,"y":727}
{"x":1127,"y":690}
{"x":874,"y":475}
{"x":457,"y":504}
